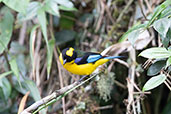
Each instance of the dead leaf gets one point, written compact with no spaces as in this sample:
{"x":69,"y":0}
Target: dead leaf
{"x":23,"y":102}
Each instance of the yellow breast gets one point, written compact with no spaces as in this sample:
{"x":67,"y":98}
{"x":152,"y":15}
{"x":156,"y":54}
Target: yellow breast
{"x":84,"y":69}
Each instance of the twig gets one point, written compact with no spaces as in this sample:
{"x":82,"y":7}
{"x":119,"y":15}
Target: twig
{"x":60,"y":78}
{"x":142,"y":92}
{"x":141,"y":8}
{"x":124,"y":10}
{"x":133,"y":83}
{"x":149,"y":7}
{"x":105,"y":107}
{"x":130,"y":83}
{"x":22,"y":34}
{"x":120,"y":84}
{"x":122,"y":62}
{"x":8,"y":66}
{"x":102,"y":10}
{"x":55,"y":96}
{"x":167,"y":85}
{"x":108,"y":13}
{"x":48,"y":98}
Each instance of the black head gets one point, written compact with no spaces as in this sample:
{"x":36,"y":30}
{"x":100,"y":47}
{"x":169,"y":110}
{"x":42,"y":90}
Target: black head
{"x":68,"y":55}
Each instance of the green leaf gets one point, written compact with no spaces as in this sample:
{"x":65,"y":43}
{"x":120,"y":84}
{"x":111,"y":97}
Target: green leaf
{"x":166,"y":13}
{"x":5,"y":74}
{"x":67,"y":9}
{"x":158,"y":11}
{"x":155,"y":53}
{"x":154,"y":82}
{"x":132,"y":37}
{"x":156,"y":67}
{"x":42,"y":20}
{"x":50,"y":55}
{"x":167,"y":39}
{"x":66,"y":23}
{"x":168,"y":63}
{"x":31,"y":11}
{"x":14,"y":68}
{"x":17,"y":5}
{"x":64,"y":36}
{"x":132,"y":29}
{"x":162,"y":26}
{"x":6,"y":27}
{"x":31,"y":44}
{"x":28,"y":85}
{"x":65,"y":3}
{"x":51,"y":7}
{"x":31,"y":86}
{"x":16,"y":48}
{"x":6,"y":87}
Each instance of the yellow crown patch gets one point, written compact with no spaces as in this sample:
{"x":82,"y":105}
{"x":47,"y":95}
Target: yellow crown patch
{"x":70,"y":52}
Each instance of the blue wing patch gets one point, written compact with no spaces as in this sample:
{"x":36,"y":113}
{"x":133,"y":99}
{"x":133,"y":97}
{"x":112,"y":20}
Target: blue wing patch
{"x":77,"y":60}
{"x":93,"y":58}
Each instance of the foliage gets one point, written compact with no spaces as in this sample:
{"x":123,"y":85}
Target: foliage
{"x":161,"y":22}
{"x":26,"y":11}
{"x":47,"y":24}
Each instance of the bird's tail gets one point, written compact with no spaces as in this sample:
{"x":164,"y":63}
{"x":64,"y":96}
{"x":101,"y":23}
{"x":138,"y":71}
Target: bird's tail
{"x":113,"y":57}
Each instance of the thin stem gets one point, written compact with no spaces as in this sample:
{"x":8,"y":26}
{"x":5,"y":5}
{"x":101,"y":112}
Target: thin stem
{"x":63,"y":95}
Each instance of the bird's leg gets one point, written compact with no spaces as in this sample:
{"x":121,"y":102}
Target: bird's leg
{"x":83,"y":77}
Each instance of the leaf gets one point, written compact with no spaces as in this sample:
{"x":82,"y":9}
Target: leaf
{"x":134,"y":35}
{"x":67,"y":9}
{"x":23,"y":102}
{"x":28,"y":85}
{"x":6,"y":87}
{"x":136,"y":27}
{"x":17,"y":5}
{"x":52,"y":7}
{"x":66,"y":23}
{"x":50,"y":56}
{"x":42,"y":20}
{"x":159,"y":9}
{"x":155,"y":53}
{"x":156,"y":67}
{"x":167,"y":39}
{"x":6,"y":27}
{"x":154,"y":82}
{"x":21,"y":59}
{"x":14,"y":68}
{"x":16,"y":48}
{"x":31,"y":11}
{"x":166,"y":13}
{"x":31,"y":44}
{"x":64,"y":36}
{"x":162,"y":26}
{"x":5,"y":74}
{"x":31,"y":86}
{"x":168,"y":63}
{"x":65,"y":3}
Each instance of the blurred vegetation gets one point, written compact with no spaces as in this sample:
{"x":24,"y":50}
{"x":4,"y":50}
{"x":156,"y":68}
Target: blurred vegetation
{"x":32,"y":33}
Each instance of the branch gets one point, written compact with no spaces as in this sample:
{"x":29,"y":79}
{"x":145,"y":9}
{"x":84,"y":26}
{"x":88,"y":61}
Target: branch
{"x":55,"y":96}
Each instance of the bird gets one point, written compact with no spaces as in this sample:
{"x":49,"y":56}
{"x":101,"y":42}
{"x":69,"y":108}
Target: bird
{"x":84,"y":65}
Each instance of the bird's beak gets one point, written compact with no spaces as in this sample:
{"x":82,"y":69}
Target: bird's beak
{"x":64,"y":61}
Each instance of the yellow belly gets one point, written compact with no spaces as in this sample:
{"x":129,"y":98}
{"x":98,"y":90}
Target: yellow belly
{"x":84,"y":69}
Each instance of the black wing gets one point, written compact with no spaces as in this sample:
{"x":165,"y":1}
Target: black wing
{"x":88,"y":57}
